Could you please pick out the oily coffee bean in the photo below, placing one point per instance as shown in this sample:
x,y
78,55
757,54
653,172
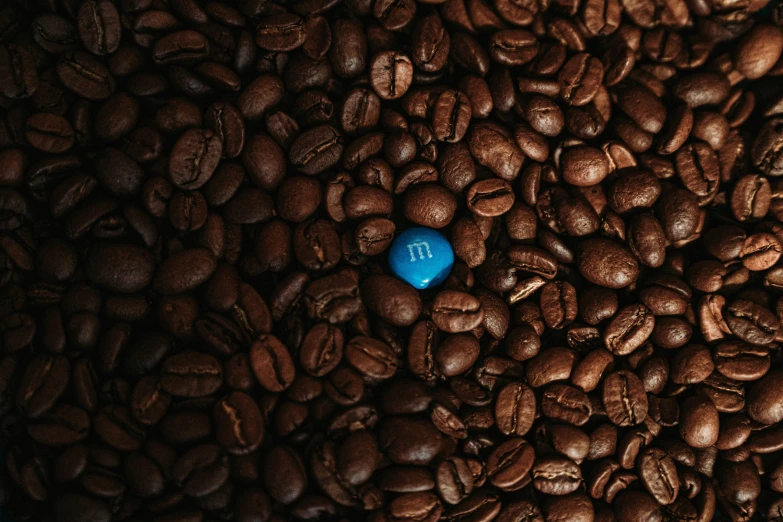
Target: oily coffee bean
x,y
624,398
272,363
239,426
490,197
509,463
659,475
515,409
391,74
194,158
556,475
191,374
42,384
454,311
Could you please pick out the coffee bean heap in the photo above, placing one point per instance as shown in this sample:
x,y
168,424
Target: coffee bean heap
x,y
197,321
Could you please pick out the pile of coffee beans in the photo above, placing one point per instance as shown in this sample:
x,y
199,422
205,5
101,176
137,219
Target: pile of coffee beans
x,y
197,317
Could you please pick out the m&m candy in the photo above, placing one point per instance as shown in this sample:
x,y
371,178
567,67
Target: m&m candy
x,y
421,256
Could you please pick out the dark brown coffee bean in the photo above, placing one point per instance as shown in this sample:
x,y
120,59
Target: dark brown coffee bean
x,y
556,475
454,311
558,304
49,133
281,32
624,398
567,404
191,374
490,197
493,146
371,357
584,166
758,51
272,363
322,349
454,480
659,475
515,409
117,428
580,79
617,269
201,471
764,401
239,426
44,381
699,422
391,299
120,267
85,76
62,426
751,323
629,329
451,116
99,26
391,74
184,271
509,463
316,150
430,43
194,158
430,205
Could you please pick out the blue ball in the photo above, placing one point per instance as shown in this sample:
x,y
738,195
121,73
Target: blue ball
x,y
421,256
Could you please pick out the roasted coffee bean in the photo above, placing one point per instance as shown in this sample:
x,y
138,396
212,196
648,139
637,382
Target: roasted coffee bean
x,y
191,374
617,269
454,311
85,75
316,149
391,74
764,401
515,409
281,32
750,322
490,197
42,384
580,78
272,363
699,422
494,147
509,464
629,329
239,426
624,398
371,357
659,475
556,475
565,403
99,26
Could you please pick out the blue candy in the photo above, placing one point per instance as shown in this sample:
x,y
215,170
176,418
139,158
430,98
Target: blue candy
x,y
421,256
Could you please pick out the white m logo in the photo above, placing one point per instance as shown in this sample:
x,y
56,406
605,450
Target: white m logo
x,y
418,246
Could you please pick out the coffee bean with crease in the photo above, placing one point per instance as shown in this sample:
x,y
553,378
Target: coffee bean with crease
x,y
556,475
751,322
239,426
272,363
454,311
624,398
659,475
629,329
191,374
515,409
44,381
